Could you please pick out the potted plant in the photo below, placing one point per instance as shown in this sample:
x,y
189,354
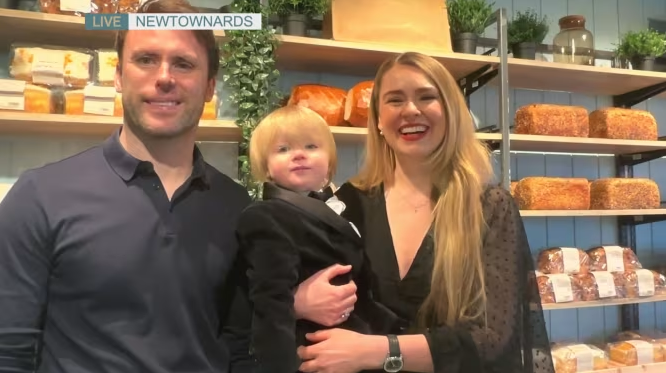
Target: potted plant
x,y
296,14
524,32
641,48
467,20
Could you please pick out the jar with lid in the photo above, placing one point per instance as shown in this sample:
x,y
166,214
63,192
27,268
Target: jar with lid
x,y
574,44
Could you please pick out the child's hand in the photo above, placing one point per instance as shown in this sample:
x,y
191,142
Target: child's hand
x,y
318,301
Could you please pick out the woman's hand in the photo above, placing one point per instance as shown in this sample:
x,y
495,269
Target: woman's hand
x,y
342,351
318,301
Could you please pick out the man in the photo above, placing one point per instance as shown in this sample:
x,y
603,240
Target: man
x,y
113,260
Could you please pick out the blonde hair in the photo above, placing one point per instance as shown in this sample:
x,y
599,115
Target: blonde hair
x,y
462,168
299,125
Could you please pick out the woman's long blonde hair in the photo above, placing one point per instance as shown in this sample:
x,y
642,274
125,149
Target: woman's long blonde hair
x,y
463,170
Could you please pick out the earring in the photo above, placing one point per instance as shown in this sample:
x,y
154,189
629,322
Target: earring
x,y
381,133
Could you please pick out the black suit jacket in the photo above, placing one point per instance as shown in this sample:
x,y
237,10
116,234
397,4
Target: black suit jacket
x,y
285,239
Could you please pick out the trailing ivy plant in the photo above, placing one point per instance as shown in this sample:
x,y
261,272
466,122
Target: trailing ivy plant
x,y
250,73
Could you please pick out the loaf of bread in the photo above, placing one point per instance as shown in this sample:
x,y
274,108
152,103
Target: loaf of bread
x,y
567,260
35,99
623,124
624,194
82,8
553,193
558,288
106,62
128,6
210,109
613,259
652,336
51,67
322,99
552,120
643,283
578,358
512,188
636,352
600,285
357,104
75,104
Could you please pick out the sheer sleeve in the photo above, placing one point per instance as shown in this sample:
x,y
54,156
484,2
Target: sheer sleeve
x,y
515,339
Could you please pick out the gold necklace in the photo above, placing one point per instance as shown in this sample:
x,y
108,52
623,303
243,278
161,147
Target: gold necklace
x,y
416,207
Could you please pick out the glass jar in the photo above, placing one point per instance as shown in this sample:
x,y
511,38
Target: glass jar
x,y
573,44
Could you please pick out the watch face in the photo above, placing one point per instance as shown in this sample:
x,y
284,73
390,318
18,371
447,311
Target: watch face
x,y
393,364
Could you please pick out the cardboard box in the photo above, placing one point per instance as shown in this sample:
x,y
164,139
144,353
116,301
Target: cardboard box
x,y
414,24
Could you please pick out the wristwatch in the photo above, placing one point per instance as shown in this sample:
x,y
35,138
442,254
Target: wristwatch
x,y
393,362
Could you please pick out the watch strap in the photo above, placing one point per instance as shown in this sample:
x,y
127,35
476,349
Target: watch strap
x,y
394,346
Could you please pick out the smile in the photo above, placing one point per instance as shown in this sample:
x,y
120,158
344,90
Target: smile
x,y
413,129
163,103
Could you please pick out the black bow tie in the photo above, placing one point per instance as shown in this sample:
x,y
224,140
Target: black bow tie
x,y
324,195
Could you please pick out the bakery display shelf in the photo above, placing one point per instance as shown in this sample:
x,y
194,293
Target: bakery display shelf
x,y
358,135
561,144
590,80
582,213
97,126
294,52
53,29
20,123
362,59
643,368
602,303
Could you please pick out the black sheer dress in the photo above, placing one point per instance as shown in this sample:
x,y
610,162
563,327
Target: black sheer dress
x,y
515,340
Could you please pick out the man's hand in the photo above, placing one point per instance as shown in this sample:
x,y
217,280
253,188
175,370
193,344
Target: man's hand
x,y
319,301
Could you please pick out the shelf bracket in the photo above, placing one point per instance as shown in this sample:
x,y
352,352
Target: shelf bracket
x,y
481,77
638,158
629,99
633,221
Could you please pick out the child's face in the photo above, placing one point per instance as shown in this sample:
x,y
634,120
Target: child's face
x,y
298,167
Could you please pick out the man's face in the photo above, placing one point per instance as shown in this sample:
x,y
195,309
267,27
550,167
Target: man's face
x,y
164,82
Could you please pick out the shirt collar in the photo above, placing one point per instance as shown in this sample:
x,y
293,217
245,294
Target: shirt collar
x,y
128,167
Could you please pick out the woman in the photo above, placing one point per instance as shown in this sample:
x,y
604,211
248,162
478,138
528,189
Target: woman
x,y
447,248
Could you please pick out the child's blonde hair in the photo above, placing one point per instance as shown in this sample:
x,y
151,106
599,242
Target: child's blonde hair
x,y
299,125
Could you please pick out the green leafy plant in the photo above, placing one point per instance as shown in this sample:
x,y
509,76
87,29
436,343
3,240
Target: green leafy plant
x,y
469,16
249,66
646,43
305,7
527,27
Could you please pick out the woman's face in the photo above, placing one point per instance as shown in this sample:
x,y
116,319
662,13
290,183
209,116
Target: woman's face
x,y
411,116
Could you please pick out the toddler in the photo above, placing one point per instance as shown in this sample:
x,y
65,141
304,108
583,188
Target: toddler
x,y
295,231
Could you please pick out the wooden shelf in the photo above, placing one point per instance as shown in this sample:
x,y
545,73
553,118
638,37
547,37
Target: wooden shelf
x,y
644,368
559,144
602,303
96,126
590,80
294,52
582,213
53,29
361,59
50,29
358,135
99,126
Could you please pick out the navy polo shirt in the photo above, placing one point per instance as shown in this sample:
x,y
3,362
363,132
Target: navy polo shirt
x,y
101,272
